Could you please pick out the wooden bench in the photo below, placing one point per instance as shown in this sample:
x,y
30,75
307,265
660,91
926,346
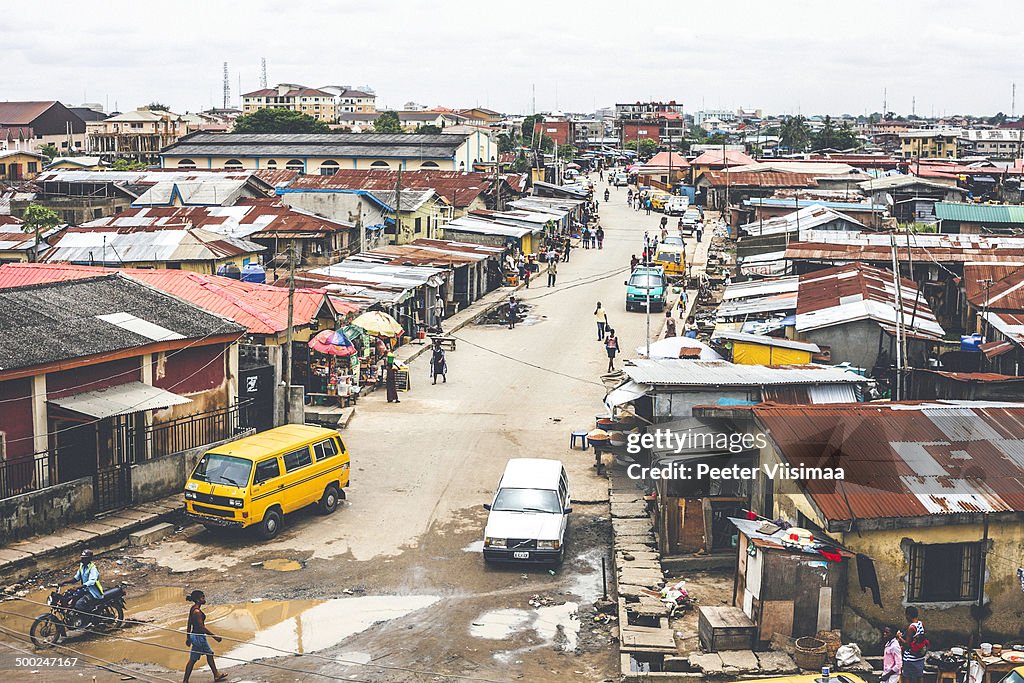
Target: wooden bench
x,y
447,343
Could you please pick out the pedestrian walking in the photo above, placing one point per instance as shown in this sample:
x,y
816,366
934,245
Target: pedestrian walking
x,y
552,272
602,321
438,311
634,261
700,231
438,363
566,248
670,324
391,379
647,206
664,233
513,311
526,276
611,346
195,637
599,236
586,238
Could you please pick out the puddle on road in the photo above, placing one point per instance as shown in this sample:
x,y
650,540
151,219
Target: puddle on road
x,y
557,625
295,626
282,565
587,586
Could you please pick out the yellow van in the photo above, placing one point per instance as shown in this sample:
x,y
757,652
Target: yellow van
x,y
259,479
671,257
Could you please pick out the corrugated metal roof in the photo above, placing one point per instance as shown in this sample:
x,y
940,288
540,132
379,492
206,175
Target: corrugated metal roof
x,y
262,309
980,213
458,188
772,202
835,245
764,340
126,245
843,294
995,285
716,158
23,113
299,145
905,460
682,372
765,179
758,288
123,399
803,220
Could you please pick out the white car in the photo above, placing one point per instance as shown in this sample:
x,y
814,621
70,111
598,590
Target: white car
x,y
529,513
677,205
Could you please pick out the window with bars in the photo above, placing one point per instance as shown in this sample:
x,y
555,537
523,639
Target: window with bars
x,y
944,572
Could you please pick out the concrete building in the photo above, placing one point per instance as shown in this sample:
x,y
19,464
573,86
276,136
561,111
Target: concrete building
x,y
137,135
410,121
319,104
351,100
994,143
30,125
930,143
324,154
20,165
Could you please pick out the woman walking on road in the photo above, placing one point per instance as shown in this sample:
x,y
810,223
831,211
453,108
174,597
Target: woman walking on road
x,y
195,637
602,321
391,379
438,363
611,345
599,236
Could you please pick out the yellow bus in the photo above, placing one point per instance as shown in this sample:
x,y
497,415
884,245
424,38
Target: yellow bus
x,y
257,480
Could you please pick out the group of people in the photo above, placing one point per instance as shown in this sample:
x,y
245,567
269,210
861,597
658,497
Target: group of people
x,y
592,239
904,651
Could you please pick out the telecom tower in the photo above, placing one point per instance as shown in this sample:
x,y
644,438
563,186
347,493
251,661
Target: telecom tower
x,y
227,88
263,72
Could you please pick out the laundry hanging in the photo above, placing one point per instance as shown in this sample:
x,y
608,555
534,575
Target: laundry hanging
x,y
869,579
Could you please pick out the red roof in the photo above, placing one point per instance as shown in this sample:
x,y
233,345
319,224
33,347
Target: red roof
x,y
22,113
760,179
458,188
1004,289
880,253
904,459
9,220
263,309
713,157
661,159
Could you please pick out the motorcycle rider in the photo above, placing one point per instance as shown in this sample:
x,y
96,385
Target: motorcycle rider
x,y
91,591
607,194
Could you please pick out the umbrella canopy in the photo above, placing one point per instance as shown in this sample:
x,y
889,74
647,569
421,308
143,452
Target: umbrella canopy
x,y
670,347
572,165
379,323
333,343
633,167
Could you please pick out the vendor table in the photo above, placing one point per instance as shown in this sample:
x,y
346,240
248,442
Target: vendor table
x,y
992,668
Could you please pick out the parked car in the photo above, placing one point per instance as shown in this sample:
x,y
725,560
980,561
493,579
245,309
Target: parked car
x,y
671,257
690,218
620,180
677,205
529,513
646,283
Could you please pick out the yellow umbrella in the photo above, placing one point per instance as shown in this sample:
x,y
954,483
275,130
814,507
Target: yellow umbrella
x,y
379,323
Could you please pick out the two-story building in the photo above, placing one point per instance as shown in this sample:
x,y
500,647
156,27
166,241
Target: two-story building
x,y
30,125
138,135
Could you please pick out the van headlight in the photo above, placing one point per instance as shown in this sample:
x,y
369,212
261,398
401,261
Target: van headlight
x,y
495,542
190,495
235,502
548,545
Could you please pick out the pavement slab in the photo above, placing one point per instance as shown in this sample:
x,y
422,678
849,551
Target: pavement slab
x,y
774,662
741,660
709,663
8,556
623,527
641,577
633,509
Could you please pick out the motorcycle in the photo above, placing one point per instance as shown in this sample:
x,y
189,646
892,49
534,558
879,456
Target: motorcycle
x,y
607,194
105,614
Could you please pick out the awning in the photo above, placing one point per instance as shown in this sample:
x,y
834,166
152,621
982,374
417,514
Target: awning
x,y
626,392
133,397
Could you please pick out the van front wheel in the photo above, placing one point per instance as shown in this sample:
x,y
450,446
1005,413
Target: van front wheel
x,y
270,525
329,502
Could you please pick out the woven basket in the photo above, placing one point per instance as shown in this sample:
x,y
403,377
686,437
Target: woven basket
x,y
832,639
809,653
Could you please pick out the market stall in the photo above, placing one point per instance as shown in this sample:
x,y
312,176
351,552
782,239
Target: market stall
x,y
331,369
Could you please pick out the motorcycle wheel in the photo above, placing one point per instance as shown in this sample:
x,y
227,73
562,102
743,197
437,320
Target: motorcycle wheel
x,y
109,616
46,631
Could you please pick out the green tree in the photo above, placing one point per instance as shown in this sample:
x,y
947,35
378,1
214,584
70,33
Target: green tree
x,y
506,143
795,133
35,220
429,129
647,147
630,144
279,121
157,106
387,122
529,123
567,151
547,145
49,150
127,165
832,137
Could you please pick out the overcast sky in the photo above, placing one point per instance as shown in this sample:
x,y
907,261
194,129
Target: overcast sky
x,y
783,56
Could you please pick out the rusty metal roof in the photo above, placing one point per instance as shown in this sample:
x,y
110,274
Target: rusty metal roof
x,y
676,372
839,245
262,309
22,113
1003,290
856,291
715,157
462,189
905,459
759,179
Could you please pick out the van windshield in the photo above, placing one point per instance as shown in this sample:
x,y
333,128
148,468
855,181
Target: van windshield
x,y
526,500
641,281
223,469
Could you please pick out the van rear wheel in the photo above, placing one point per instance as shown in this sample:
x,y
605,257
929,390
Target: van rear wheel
x,y
329,501
270,525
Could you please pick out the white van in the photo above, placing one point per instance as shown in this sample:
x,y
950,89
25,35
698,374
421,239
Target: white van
x,y
677,205
620,179
528,515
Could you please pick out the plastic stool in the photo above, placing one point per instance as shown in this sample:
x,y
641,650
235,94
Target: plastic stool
x,y
582,436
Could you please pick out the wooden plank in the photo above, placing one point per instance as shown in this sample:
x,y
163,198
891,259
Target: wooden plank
x,y
776,617
825,608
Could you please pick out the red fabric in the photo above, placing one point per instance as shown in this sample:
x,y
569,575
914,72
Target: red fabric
x,y
751,515
830,556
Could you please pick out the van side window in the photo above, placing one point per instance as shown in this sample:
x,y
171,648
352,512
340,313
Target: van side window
x,y
325,449
267,470
296,459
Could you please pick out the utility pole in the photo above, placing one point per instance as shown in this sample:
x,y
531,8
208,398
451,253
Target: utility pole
x,y
290,333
